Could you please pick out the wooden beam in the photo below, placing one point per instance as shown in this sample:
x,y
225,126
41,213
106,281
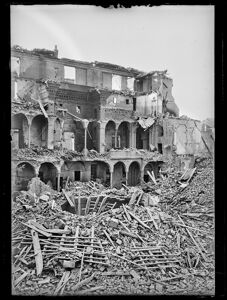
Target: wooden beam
x,y
38,252
68,198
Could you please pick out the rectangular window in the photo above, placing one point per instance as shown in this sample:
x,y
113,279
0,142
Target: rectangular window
x,y
134,104
116,82
160,148
107,80
76,175
127,101
81,76
130,83
70,74
15,65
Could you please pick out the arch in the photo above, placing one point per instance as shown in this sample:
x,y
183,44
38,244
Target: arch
x,y
20,132
24,173
152,166
142,138
57,133
100,171
74,170
119,174
123,135
92,135
48,174
160,130
148,167
134,173
39,131
110,135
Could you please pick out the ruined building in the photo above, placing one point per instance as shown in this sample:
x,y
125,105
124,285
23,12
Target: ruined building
x,y
93,121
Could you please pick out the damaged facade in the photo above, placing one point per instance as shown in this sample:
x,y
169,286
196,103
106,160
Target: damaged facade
x,y
118,124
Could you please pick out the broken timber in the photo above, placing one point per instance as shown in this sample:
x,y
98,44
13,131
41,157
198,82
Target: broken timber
x,y
68,198
38,252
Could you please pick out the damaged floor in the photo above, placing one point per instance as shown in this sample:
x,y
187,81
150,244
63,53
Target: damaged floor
x,y
156,238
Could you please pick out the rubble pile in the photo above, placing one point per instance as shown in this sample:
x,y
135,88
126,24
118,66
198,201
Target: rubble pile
x,y
150,245
36,152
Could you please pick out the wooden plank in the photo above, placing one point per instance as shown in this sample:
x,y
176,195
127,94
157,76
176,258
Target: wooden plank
x,y
151,177
38,252
19,279
102,203
42,109
138,220
87,205
79,206
133,198
83,282
76,237
96,202
108,237
126,213
37,229
68,198
91,290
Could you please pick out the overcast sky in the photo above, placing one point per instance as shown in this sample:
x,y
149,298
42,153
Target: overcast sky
x,y
177,38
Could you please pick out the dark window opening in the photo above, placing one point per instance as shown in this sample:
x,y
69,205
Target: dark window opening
x,y
127,101
113,141
134,104
146,178
160,148
61,104
95,113
41,175
46,107
76,175
93,172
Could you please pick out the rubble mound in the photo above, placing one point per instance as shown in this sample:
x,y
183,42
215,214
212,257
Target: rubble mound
x,y
163,246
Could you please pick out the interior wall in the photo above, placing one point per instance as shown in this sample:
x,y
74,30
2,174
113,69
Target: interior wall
x,y
142,138
134,174
92,136
119,176
123,133
39,131
23,176
49,173
57,133
109,134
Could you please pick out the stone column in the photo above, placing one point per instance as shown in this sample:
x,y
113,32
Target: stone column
x,y
142,174
58,181
85,123
101,137
50,133
132,141
29,132
126,172
116,129
111,176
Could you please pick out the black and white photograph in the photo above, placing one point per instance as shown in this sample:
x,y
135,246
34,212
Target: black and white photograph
x,y
112,150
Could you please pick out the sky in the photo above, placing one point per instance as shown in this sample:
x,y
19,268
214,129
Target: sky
x,y
177,38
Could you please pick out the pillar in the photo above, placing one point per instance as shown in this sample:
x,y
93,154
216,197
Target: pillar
x,y
142,175
50,133
126,173
116,129
101,137
132,140
58,180
111,176
85,123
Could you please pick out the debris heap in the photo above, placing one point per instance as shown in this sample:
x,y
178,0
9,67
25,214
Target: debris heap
x,y
159,241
